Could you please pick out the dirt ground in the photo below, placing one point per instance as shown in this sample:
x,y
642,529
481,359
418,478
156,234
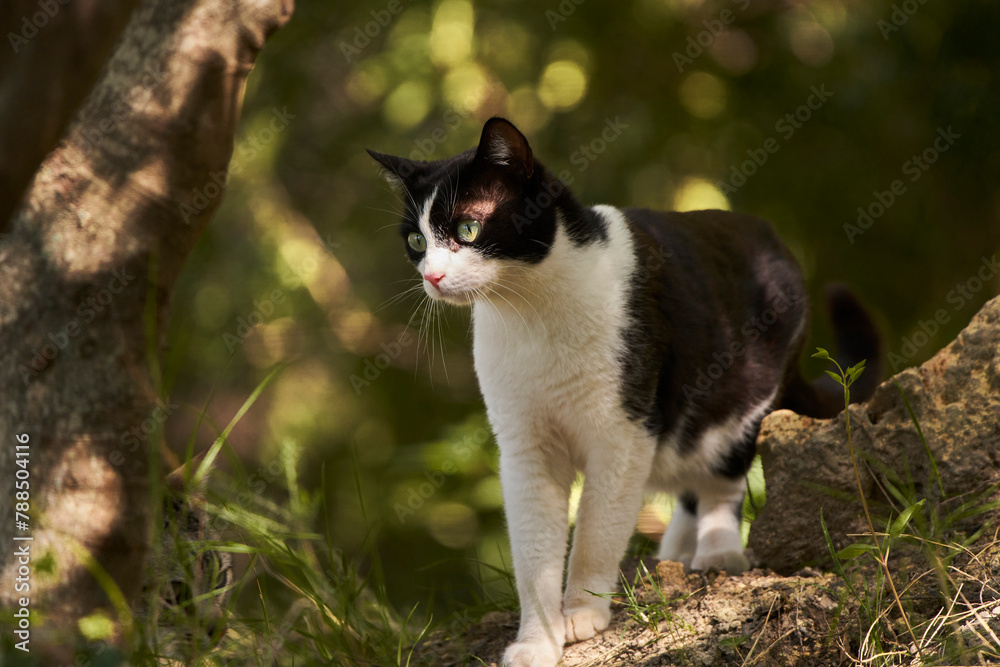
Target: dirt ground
x,y
754,618
761,618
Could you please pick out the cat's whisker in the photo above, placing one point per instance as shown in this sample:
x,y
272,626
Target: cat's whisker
x,y
454,193
405,190
513,307
409,195
420,308
398,297
529,271
484,298
414,312
444,360
506,332
432,307
515,287
425,324
520,297
397,213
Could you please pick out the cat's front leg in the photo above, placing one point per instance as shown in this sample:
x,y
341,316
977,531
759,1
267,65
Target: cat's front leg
x,y
616,473
536,500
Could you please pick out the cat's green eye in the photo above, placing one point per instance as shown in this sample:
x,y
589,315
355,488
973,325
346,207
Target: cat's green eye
x,y
468,230
417,241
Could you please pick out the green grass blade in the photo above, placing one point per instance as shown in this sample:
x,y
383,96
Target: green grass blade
x,y
923,440
213,451
901,521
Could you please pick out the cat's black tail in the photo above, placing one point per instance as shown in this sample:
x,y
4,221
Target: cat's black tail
x,y
857,338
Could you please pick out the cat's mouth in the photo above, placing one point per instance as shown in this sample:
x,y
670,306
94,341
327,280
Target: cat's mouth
x,y
452,294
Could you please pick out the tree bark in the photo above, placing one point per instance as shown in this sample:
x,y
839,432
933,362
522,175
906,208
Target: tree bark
x,y
63,44
87,270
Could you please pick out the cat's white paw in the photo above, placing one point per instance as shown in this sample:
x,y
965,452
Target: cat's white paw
x,y
531,654
585,622
732,562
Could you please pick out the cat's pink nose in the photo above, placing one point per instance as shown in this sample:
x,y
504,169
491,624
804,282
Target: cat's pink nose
x,y
433,278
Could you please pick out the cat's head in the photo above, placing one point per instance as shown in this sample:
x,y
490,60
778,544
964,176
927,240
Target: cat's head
x,y
468,219
188,583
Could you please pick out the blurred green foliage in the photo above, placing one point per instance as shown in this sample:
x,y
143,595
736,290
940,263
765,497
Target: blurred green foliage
x,y
303,263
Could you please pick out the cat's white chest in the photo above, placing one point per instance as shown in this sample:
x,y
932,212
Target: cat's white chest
x,y
555,362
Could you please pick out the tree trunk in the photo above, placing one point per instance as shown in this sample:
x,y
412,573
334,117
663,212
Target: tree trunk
x,y
87,270
64,44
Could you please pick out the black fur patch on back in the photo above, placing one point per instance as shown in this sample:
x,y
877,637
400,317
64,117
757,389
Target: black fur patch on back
x,y
716,304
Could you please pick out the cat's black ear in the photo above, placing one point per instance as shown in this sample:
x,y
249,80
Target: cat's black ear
x,y
179,479
503,144
397,170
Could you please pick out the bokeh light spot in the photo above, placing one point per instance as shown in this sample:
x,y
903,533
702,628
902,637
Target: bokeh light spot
x,y
273,342
465,88
506,44
488,495
735,51
407,105
354,329
454,525
697,194
563,85
526,111
451,33
811,43
367,82
703,95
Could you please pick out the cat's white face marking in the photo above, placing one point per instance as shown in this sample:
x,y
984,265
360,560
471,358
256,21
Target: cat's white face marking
x,y
452,272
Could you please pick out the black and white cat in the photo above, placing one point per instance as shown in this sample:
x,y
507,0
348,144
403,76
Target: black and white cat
x,y
639,347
